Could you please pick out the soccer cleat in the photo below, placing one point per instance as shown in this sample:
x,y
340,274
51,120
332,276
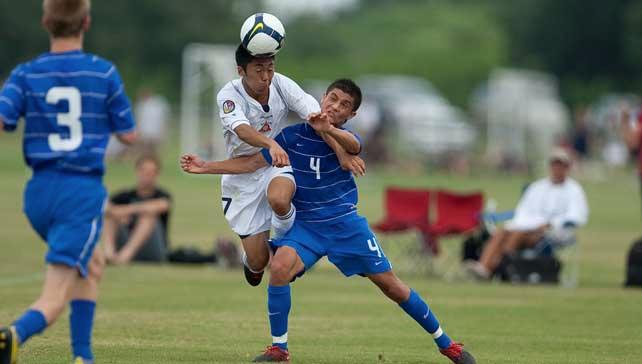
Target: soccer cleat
x,y
273,354
8,345
254,279
456,353
80,360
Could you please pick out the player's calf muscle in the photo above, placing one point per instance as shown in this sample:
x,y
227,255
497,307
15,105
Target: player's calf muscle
x,y
391,286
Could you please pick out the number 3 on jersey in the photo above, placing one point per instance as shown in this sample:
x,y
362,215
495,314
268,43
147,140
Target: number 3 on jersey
x,y
70,119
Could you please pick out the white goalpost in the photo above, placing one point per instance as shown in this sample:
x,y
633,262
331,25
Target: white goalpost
x,y
206,68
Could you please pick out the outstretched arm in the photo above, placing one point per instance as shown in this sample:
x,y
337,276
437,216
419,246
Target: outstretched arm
x,y
128,138
321,123
252,137
191,163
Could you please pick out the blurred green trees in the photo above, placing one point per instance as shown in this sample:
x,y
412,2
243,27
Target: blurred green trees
x,y
593,46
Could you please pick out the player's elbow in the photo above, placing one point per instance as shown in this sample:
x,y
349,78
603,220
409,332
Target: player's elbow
x,y
354,149
128,138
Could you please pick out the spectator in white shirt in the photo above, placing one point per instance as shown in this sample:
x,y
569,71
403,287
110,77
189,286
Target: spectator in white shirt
x,y
152,116
552,207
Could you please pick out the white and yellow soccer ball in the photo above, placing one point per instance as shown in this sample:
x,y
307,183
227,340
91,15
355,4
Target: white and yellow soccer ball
x,y
262,34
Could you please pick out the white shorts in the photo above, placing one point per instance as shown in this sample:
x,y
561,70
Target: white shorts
x,y
244,199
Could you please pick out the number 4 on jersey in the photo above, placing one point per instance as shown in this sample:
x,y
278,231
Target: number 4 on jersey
x,y
315,165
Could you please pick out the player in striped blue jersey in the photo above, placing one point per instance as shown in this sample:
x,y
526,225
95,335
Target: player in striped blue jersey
x,y
71,101
327,222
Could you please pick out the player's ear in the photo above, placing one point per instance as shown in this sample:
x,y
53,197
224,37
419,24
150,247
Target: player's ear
x,y
352,114
43,22
240,71
86,23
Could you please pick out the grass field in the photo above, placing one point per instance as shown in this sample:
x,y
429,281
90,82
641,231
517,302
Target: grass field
x,y
168,314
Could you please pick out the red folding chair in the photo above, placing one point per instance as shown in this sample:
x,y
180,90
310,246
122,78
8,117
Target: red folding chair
x,y
407,209
455,214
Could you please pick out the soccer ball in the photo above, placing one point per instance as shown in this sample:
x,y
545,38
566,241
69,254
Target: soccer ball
x,y
262,34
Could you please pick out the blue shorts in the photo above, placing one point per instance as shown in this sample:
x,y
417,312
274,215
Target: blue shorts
x,y
348,242
66,210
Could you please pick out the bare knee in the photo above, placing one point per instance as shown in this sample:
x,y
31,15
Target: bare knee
x,y
280,272
257,262
279,195
279,202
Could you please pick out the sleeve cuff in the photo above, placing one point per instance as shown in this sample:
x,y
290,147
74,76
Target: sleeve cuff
x,y
266,155
238,123
8,124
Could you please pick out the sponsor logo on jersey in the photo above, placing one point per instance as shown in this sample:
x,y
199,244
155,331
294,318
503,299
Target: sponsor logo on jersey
x,y
266,127
228,106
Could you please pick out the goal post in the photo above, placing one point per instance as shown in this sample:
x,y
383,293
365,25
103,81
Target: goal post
x,y
206,69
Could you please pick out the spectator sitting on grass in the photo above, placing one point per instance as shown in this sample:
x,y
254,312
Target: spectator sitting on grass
x,y
136,220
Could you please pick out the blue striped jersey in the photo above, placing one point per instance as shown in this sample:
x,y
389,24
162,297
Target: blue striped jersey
x,y
324,191
71,102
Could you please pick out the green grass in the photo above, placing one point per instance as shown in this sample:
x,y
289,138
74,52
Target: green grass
x,y
168,314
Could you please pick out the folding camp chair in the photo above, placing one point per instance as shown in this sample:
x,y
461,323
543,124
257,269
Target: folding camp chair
x,y
569,254
456,213
407,210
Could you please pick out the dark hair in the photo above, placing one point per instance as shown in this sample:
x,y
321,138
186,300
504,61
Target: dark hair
x,y
243,57
148,158
65,18
348,86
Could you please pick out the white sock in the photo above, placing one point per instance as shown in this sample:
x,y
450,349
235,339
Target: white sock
x,y
282,224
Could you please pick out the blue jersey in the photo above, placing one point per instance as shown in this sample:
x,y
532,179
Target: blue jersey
x,y
324,191
71,103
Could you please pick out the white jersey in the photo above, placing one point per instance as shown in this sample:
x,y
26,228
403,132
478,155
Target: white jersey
x,y
544,202
236,108
244,198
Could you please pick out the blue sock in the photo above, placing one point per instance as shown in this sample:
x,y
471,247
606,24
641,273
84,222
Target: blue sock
x,y
81,322
279,302
31,323
419,310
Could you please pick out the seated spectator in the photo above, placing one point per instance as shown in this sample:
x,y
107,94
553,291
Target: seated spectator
x,y
136,220
551,208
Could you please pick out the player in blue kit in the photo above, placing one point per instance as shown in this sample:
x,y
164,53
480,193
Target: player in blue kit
x,y
327,222
71,102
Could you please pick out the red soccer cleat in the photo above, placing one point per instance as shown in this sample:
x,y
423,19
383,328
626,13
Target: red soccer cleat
x,y
456,353
273,354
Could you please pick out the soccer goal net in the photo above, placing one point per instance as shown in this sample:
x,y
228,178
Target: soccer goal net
x,y
206,69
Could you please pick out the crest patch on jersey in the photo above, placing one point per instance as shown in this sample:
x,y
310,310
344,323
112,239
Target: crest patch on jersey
x,y
228,106
266,127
